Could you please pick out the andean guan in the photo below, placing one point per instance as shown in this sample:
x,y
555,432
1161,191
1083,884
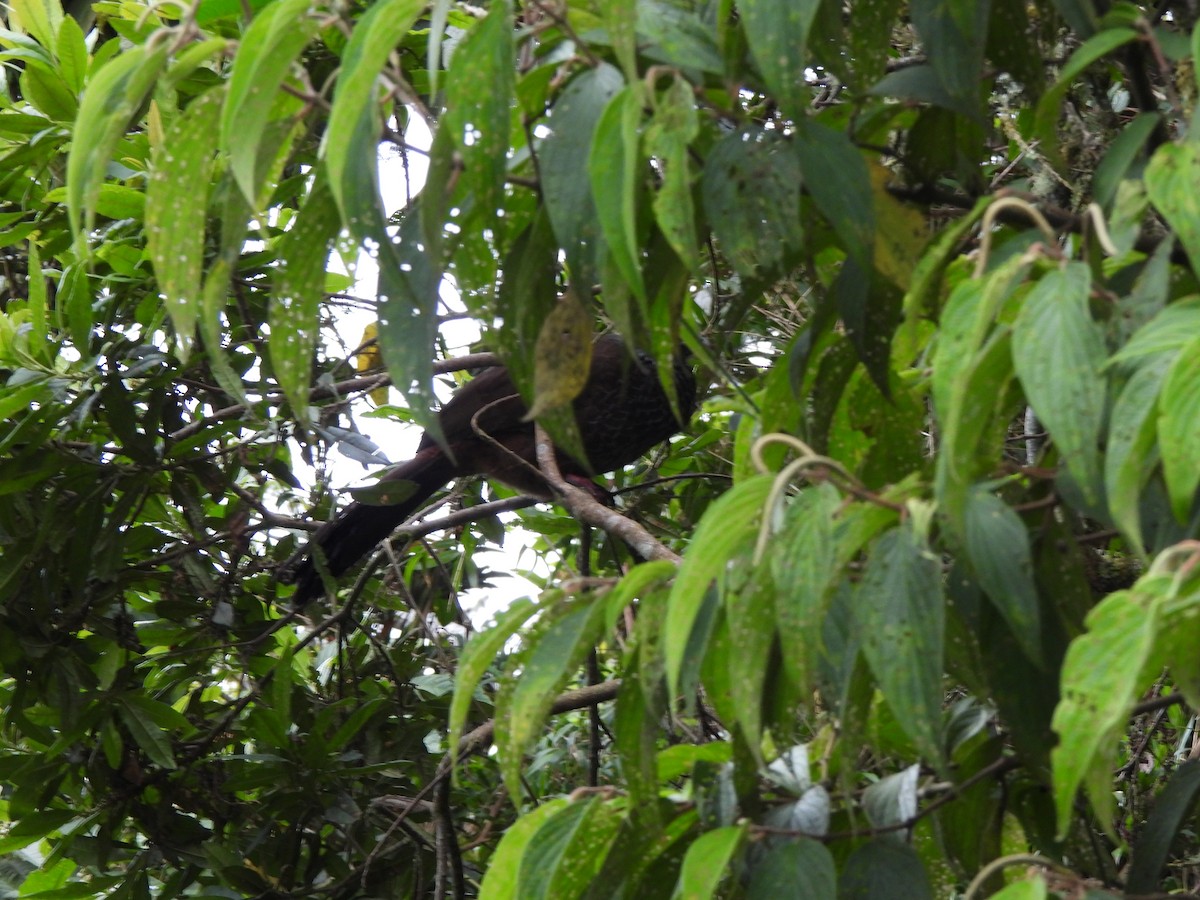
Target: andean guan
x,y
621,412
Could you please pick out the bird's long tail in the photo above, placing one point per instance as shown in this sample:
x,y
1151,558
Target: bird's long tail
x,y
354,533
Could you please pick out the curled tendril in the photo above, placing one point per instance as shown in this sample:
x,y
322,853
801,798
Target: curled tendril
x,y
807,459
989,221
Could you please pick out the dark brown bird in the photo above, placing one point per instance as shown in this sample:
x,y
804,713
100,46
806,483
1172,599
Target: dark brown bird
x,y
621,412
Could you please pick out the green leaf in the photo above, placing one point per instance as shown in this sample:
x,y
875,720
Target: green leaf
x,y
503,870
777,32
295,304
567,852
728,524
1179,429
707,862
110,101
1120,156
477,657
264,58
1058,352
998,547
670,131
177,210
71,50
614,167
556,652
836,175
1171,328
1103,674
750,614
901,619
563,157
803,564
1050,105
751,190
884,868
1131,451
1170,814
955,33
146,733
800,870
1171,179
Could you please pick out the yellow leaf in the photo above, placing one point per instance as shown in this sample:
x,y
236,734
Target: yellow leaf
x,y
369,357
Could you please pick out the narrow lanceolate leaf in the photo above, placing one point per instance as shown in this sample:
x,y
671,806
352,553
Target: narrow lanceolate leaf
x,y
1103,673
1179,429
176,210
614,167
777,32
1058,352
146,733
351,142
479,88
670,132
109,102
1131,453
727,527
998,547
901,618
1173,183
556,653
1167,331
297,296
566,854
563,158
1171,813
836,175
264,58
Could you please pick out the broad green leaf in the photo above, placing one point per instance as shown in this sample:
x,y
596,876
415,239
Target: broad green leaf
x,y
635,584
728,524
751,191
566,853
265,56
620,21
803,564
1179,429
997,544
1033,888
501,879
563,159
479,89
1173,183
884,868
614,166
1103,674
556,653
177,210
1173,327
1131,451
955,31
801,869
299,289
892,800
901,620
1058,352
110,101
750,614
777,32
1050,105
837,176
1120,156
477,656
707,863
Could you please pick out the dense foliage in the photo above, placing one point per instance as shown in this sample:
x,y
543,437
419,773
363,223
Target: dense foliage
x,y
920,613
